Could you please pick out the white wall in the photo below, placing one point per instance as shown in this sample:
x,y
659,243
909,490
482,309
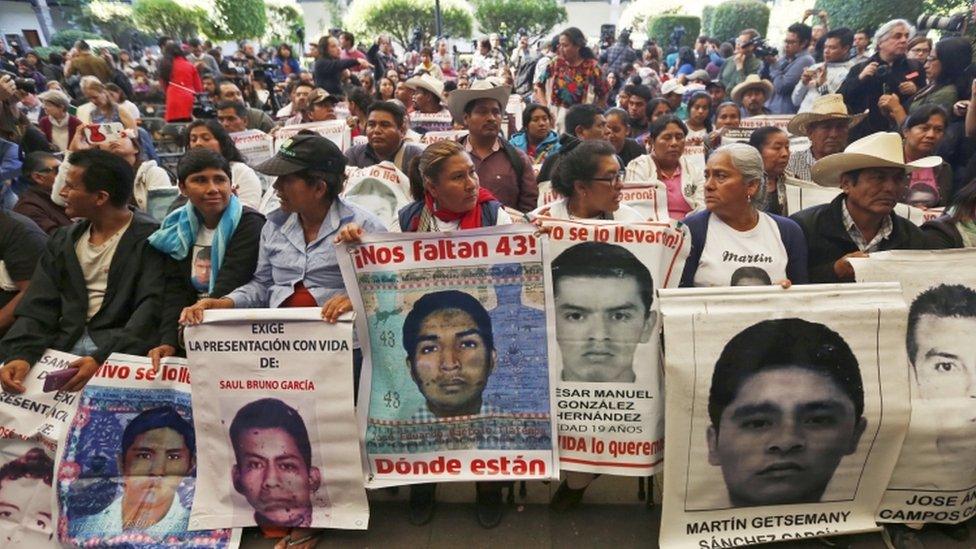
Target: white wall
x,y
317,20
15,17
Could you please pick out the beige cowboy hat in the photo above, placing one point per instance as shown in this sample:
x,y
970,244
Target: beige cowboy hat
x,y
752,81
481,89
826,107
878,150
426,82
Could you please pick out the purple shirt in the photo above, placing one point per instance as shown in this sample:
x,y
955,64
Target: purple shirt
x,y
495,172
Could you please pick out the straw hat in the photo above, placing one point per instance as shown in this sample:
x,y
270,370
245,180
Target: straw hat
x,y
672,86
481,89
426,82
878,150
753,81
826,107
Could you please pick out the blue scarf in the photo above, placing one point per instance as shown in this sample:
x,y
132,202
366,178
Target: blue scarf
x,y
178,234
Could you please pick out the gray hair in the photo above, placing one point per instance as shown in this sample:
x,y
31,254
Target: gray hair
x,y
748,160
55,97
884,30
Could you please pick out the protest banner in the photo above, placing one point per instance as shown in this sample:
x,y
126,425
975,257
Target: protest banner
x,y
337,131
513,111
380,189
255,146
801,195
433,137
431,122
273,390
126,474
26,494
776,396
35,412
650,199
695,152
455,381
935,479
600,283
746,126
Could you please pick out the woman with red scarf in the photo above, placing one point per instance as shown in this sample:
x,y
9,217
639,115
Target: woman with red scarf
x,y
447,197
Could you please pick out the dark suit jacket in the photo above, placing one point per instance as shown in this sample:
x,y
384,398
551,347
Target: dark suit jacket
x,y
52,313
37,204
828,240
237,269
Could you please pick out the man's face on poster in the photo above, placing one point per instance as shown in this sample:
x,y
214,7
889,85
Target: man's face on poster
x,y
274,478
201,271
783,436
945,367
153,467
23,501
599,330
451,363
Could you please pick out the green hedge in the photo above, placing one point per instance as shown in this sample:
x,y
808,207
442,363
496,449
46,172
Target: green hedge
x,y
45,51
736,15
660,27
67,38
870,15
708,14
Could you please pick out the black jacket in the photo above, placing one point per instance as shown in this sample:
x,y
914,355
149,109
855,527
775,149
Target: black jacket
x,y
53,310
942,233
828,240
861,95
237,269
550,167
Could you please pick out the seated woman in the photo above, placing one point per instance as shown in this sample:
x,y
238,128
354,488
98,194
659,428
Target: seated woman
x,y
618,128
101,108
732,242
211,241
774,146
590,180
924,130
209,134
128,146
448,197
666,163
537,138
957,228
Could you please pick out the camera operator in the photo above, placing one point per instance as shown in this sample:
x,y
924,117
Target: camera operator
x,y
743,62
787,71
886,72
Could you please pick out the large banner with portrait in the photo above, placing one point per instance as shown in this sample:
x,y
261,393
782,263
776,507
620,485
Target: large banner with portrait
x,y
777,428
337,131
649,199
431,122
935,479
127,467
455,381
26,493
600,284
37,412
801,195
255,146
273,394
380,189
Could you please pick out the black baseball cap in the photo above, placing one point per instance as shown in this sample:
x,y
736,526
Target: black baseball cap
x,y
305,150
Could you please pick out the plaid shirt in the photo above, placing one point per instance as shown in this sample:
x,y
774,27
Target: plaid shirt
x,y
799,165
858,238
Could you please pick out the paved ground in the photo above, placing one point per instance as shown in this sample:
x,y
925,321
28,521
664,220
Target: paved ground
x,y
611,517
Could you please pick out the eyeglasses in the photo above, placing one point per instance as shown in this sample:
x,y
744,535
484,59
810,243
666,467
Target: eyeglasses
x,y
617,179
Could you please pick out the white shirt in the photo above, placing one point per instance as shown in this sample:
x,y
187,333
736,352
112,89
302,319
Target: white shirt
x,y
559,210
95,262
84,112
131,108
248,184
804,96
726,250
148,176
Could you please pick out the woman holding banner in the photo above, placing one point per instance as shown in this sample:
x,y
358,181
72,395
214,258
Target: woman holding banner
x,y
666,163
212,242
448,197
733,243
590,180
297,264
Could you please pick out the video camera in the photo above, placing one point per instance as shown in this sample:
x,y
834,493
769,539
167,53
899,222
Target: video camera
x,y
203,107
26,85
763,49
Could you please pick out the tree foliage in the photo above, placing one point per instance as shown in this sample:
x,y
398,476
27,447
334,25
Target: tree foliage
x,y
236,20
708,14
870,15
282,19
733,16
66,38
399,18
661,27
167,17
506,17
638,13
113,19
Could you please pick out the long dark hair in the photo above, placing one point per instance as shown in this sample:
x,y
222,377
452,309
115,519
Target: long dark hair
x,y
578,39
172,50
702,96
227,147
964,203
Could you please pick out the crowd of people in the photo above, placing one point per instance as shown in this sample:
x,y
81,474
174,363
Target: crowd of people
x,y
85,268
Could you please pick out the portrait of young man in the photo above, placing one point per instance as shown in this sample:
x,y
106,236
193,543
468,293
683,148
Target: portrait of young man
x,y
273,463
603,296
450,353
158,452
201,269
22,500
786,405
943,358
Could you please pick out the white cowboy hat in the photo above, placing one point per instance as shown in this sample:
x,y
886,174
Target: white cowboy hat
x,y
826,107
481,89
672,86
752,81
878,150
426,82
